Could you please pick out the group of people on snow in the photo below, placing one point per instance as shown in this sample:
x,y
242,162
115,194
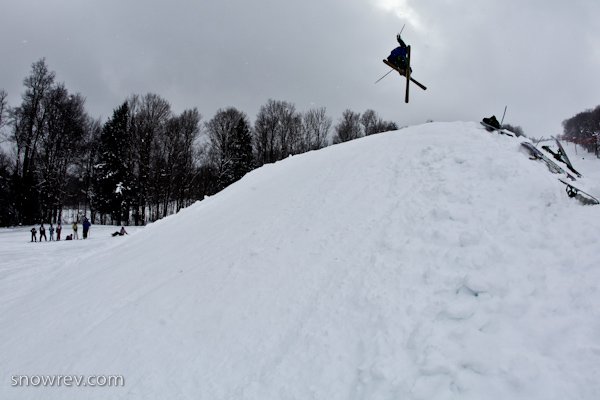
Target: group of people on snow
x,y
86,224
42,232
51,230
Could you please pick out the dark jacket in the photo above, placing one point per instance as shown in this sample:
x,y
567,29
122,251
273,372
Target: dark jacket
x,y
399,52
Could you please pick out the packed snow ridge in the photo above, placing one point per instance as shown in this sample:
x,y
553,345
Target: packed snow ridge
x,y
433,262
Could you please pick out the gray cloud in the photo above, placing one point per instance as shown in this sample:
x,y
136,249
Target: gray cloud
x,y
538,57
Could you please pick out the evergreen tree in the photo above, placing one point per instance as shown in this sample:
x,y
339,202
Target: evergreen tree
x,y
7,215
113,176
241,149
230,151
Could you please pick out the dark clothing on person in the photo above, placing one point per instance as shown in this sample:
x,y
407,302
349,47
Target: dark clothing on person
x,y
86,227
33,234
398,56
43,233
492,121
58,229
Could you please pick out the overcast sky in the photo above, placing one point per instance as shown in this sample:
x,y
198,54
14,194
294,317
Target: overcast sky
x,y
539,57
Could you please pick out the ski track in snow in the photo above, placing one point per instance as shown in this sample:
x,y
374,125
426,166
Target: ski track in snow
x,y
434,262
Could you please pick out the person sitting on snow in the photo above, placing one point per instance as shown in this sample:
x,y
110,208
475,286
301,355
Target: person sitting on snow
x,y
398,56
122,232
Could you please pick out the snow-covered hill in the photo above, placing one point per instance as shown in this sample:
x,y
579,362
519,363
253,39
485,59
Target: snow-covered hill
x,y
434,262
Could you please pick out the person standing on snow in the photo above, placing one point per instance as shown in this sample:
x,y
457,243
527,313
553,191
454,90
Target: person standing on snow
x,y
43,233
51,231
33,234
75,235
58,229
86,227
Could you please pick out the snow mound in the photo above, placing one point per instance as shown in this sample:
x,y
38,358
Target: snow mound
x,y
433,262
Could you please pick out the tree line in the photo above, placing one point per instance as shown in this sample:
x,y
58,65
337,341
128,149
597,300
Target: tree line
x,y
584,129
145,161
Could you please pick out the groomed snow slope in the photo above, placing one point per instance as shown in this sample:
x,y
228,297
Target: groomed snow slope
x,y
434,262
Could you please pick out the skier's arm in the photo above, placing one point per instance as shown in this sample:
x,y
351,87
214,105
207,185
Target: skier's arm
x,y
400,40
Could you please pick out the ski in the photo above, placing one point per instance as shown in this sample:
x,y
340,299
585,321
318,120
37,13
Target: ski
x,y
552,166
558,156
407,73
491,128
572,190
401,72
565,158
583,197
488,127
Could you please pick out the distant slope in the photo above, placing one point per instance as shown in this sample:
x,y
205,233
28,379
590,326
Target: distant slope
x,y
433,262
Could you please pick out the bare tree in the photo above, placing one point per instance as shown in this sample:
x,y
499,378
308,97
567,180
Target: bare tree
x,y
174,160
348,128
277,131
89,156
315,129
372,123
188,124
150,114
584,129
6,209
29,120
59,146
3,111
369,120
